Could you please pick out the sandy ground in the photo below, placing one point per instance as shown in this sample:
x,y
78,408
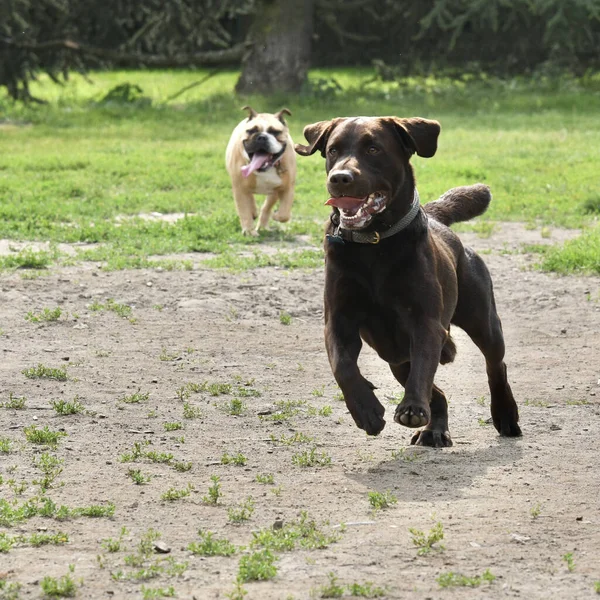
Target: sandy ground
x,y
515,507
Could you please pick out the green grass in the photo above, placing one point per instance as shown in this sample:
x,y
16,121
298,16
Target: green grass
x,y
381,500
579,255
42,436
63,587
66,407
211,546
86,172
47,314
452,579
426,542
43,372
258,566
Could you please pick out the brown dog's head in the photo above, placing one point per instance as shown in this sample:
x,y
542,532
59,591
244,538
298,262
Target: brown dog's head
x,y
367,163
264,139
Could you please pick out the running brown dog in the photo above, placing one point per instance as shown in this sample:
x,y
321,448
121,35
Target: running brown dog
x,y
397,276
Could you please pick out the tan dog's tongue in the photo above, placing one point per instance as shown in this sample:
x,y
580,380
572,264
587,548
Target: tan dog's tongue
x,y
345,202
258,160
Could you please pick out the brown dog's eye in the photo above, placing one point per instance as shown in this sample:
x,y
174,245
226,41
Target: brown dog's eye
x,y
332,151
373,150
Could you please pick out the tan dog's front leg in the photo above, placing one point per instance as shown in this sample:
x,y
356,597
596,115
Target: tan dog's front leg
x,y
245,206
265,212
286,198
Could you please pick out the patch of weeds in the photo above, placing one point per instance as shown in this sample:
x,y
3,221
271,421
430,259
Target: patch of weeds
x,y
576,402
537,403
113,545
95,511
135,398
237,593
382,500
138,477
7,542
64,407
159,457
597,587
43,436
286,409
150,593
103,353
14,402
318,392
394,399
247,391
257,566
277,490
242,512
481,401
285,318
5,444
235,407
568,558
483,422
237,459
43,539
265,478
166,357
296,438
51,468
211,546
9,590
173,494
304,533
216,389
405,455
426,542
175,426
451,579
63,587
182,466
365,590
310,458
214,491
46,315
535,511
137,452
122,310
28,259
43,372
191,412
332,589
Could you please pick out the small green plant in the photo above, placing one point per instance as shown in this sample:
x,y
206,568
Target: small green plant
x,y
135,398
138,477
319,392
285,318
404,454
9,590
150,593
481,401
166,357
63,587
451,579
122,310
597,587
43,539
265,478
394,399
173,494
14,402
365,590
175,426
46,315
257,566
43,372
214,491
234,407
51,468
324,411
216,389
568,558
535,511
237,593
182,466
381,500
42,436
64,407
242,512
483,422
191,412
211,546
333,589
237,459
5,444
426,542
297,438
114,545
310,458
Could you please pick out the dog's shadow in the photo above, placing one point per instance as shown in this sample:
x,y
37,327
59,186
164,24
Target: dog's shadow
x,y
425,475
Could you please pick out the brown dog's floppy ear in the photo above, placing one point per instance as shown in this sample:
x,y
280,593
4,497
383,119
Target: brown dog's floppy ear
x,y
317,135
279,115
251,112
418,135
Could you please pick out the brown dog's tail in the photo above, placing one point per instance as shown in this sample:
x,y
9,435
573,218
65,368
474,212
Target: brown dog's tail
x,y
460,204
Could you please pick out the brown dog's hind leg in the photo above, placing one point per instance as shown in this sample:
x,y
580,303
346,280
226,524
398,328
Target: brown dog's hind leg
x,y
476,314
435,434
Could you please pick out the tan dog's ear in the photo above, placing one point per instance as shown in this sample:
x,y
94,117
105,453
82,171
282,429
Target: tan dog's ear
x,y
251,112
317,135
418,135
279,115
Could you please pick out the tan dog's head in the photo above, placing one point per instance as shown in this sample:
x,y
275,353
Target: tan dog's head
x,y
367,163
265,139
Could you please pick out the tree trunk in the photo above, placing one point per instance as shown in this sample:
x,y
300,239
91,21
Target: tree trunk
x,y
279,52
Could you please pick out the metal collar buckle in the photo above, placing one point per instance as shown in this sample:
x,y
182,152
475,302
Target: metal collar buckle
x,y
377,238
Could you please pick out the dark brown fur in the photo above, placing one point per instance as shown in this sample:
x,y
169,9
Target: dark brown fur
x,y
401,295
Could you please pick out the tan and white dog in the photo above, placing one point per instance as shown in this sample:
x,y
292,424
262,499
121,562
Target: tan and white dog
x,y
260,159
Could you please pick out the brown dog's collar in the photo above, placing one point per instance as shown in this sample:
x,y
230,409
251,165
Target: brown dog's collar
x,y
374,237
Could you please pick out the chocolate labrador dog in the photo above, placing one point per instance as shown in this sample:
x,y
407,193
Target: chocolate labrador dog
x,y
397,276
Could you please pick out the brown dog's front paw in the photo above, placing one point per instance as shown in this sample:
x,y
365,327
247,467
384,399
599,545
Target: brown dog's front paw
x,y
370,420
432,438
411,415
508,428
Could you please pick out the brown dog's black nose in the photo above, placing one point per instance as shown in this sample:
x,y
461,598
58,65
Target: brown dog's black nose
x,y
341,177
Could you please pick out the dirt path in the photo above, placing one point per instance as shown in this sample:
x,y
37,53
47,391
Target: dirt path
x,y
515,507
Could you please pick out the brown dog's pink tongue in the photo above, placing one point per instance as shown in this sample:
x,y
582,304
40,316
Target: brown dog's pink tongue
x,y
345,202
258,160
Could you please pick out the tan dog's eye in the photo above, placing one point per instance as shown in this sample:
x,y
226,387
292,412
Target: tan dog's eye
x,y
252,131
274,131
373,150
